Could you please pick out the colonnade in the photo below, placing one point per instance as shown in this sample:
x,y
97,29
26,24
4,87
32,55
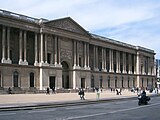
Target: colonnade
x,y
42,60
123,65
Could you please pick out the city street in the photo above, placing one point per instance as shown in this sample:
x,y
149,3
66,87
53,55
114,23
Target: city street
x,y
120,110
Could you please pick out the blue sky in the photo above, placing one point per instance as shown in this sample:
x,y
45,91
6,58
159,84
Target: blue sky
x,y
135,22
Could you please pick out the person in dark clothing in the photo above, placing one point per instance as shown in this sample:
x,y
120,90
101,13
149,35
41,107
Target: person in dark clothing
x,y
53,90
47,91
9,90
143,94
81,93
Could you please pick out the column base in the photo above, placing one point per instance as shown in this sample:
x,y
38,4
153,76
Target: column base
x,y
96,69
9,61
21,62
124,72
58,65
87,68
111,71
36,63
6,61
104,70
3,60
76,67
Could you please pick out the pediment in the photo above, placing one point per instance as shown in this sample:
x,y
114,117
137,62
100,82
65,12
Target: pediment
x,y
67,24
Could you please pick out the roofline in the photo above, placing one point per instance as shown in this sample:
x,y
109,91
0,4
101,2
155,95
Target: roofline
x,y
41,21
121,43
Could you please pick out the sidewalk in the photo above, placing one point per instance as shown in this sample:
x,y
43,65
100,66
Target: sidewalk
x,y
23,100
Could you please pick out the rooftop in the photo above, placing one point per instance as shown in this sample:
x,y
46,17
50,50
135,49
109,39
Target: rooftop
x,y
41,20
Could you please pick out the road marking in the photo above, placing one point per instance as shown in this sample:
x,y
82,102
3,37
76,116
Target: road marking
x,y
121,110
39,111
6,114
85,116
75,107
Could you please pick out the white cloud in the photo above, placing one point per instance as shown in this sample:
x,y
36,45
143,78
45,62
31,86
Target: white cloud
x,y
131,21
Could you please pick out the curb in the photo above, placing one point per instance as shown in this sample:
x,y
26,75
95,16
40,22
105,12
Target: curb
x,y
63,104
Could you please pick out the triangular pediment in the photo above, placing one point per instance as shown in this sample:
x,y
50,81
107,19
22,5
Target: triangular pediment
x,y
67,24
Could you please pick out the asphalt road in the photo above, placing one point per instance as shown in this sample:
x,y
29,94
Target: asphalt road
x,y
119,110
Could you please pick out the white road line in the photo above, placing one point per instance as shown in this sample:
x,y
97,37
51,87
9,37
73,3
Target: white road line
x,y
85,116
121,110
39,111
6,114
75,107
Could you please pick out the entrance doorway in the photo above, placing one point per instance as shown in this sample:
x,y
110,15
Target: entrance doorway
x,y
15,79
52,82
82,82
65,75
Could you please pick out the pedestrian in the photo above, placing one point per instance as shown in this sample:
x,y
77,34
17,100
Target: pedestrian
x,y
53,90
81,94
98,94
117,93
9,90
47,92
120,91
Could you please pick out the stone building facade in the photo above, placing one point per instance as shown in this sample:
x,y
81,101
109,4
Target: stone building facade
x,y
40,53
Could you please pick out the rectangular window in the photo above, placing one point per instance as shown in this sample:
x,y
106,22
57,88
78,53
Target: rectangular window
x,y
101,83
48,58
80,62
109,83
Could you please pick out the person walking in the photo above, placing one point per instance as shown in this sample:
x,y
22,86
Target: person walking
x,y
47,92
9,90
98,93
53,90
81,94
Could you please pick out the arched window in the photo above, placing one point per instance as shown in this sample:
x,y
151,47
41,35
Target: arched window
x,y
15,79
31,79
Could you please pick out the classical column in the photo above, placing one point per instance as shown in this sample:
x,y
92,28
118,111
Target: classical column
x,y
74,52
55,51
77,53
25,49
124,62
118,61
137,66
85,56
134,64
105,59
3,44
46,48
143,69
149,72
36,50
94,57
130,64
102,59
41,37
111,60
88,55
97,57
20,47
59,51
8,45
